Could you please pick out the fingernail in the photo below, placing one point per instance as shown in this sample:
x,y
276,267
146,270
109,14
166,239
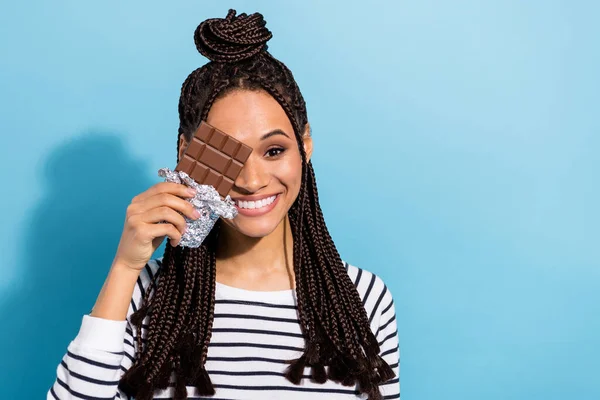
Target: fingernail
x,y
196,214
192,191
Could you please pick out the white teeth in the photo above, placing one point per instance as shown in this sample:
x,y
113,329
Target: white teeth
x,y
256,204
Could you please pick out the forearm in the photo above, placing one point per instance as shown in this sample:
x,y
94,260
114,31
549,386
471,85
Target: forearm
x,y
114,298
105,346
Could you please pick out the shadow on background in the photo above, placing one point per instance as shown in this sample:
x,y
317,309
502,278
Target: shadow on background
x,y
72,236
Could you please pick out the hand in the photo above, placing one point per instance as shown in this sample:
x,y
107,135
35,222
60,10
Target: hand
x,y
142,234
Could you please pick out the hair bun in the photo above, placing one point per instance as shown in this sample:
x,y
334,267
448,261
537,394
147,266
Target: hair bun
x,y
233,38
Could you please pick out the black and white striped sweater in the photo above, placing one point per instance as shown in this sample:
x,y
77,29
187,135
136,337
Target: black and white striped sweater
x,y
253,333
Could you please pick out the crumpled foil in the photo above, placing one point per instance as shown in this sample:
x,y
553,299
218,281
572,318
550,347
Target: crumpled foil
x,y
207,201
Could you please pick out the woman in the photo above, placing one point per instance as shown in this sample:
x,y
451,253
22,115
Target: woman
x,y
265,307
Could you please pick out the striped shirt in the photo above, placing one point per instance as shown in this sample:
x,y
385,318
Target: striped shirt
x,y
253,333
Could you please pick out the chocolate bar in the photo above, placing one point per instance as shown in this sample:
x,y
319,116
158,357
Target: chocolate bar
x,y
214,158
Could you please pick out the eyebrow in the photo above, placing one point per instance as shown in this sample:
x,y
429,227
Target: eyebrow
x,y
273,133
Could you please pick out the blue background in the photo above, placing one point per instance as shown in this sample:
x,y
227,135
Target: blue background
x,y
470,128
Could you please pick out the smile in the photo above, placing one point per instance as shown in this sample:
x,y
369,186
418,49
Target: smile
x,y
257,208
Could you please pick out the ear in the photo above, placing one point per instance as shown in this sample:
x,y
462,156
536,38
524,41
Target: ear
x,y
182,146
307,141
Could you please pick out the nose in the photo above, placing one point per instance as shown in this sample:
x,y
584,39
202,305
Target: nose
x,y
252,177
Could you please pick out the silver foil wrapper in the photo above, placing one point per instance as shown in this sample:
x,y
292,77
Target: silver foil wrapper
x,y
207,201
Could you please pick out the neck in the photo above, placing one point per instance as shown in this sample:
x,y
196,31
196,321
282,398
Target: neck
x,y
265,262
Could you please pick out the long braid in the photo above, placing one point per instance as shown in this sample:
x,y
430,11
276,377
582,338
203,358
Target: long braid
x,y
347,332
181,305
181,314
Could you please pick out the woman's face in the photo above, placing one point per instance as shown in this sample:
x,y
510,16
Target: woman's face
x,y
270,180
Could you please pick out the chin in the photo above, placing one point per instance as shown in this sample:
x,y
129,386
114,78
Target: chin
x,y
253,228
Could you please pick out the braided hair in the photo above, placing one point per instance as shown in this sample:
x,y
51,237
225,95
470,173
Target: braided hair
x,y
180,305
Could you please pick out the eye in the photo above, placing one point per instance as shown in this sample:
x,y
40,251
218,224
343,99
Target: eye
x,y
275,151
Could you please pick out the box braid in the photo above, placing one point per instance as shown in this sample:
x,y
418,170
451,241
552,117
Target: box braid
x,y
180,305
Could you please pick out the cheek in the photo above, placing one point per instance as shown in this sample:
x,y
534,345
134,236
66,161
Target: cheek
x,y
289,172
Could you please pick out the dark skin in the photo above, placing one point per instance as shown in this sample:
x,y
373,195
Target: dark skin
x,y
256,252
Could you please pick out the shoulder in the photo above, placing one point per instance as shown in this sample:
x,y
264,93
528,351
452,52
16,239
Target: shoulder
x,y
148,276
374,293
379,304
151,271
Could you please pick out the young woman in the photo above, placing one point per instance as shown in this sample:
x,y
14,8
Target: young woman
x,y
265,307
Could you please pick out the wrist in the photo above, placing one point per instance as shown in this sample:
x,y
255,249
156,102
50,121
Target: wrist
x,y
125,269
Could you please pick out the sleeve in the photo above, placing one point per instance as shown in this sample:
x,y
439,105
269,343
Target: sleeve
x,y
100,353
93,364
387,336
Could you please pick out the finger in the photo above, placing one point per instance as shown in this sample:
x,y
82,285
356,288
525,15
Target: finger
x,y
177,189
158,230
164,214
162,200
